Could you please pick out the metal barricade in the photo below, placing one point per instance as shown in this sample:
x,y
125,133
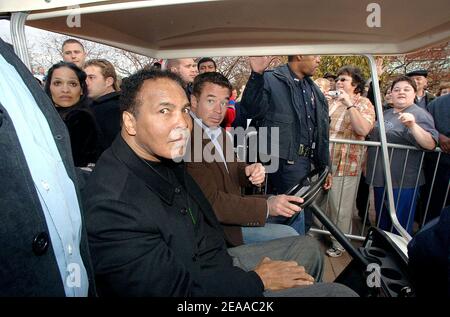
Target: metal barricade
x,y
357,232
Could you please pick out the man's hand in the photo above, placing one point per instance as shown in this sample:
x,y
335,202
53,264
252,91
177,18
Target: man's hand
x,y
328,182
282,205
444,143
278,275
407,119
258,64
256,173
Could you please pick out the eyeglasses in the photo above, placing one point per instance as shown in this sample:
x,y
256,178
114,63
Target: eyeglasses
x,y
341,79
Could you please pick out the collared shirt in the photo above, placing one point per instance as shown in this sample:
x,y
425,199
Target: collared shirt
x,y
421,101
214,135
347,158
54,188
307,109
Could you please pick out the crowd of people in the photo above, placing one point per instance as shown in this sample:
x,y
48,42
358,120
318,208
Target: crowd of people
x,y
143,222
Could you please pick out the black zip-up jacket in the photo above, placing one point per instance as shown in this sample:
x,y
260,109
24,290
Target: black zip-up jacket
x,y
273,101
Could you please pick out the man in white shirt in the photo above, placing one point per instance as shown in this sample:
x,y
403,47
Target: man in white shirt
x,y
44,246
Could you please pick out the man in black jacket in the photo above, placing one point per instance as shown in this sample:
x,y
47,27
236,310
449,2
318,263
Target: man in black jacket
x,y
288,100
429,257
151,230
103,89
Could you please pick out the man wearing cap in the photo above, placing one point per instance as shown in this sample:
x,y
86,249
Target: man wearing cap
x,y
423,97
331,78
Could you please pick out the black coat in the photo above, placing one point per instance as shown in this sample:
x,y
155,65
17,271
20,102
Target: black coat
x,y
429,257
22,272
84,133
108,115
141,237
273,100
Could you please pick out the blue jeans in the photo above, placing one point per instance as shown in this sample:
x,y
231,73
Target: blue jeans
x,y
281,181
270,231
405,207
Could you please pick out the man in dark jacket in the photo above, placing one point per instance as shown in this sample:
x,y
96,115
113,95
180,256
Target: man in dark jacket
x,y
288,100
429,257
186,68
103,89
434,169
151,230
44,243
423,97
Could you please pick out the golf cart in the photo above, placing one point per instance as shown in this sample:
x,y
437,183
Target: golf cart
x,y
195,28
380,266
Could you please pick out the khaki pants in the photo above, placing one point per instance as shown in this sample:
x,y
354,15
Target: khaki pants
x,y
340,210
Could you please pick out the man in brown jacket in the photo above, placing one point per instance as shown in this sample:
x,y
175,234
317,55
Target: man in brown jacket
x,y
214,166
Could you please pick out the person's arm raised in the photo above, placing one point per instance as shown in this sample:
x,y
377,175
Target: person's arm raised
x,y
256,96
259,64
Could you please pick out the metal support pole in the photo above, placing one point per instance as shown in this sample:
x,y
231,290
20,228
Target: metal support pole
x,y
17,29
339,235
384,150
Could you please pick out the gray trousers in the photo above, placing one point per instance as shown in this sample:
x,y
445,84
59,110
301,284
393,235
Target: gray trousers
x,y
302,249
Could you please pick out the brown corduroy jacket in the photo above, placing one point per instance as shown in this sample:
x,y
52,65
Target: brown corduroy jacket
x,y
223,188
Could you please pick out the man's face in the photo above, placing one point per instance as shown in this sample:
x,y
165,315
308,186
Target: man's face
x,y
74,53
332,82
97,84
309,64
211,105
421,82
162,126
206,67
187,69
388,96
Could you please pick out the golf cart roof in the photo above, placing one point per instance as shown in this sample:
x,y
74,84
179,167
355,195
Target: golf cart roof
x,y
191,28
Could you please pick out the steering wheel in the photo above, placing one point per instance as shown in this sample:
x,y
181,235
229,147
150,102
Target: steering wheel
x,y
310,186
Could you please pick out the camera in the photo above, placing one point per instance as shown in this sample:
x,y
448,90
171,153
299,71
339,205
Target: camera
x,y
334,93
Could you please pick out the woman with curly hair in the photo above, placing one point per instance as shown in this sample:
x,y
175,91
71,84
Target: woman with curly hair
x,y
352,117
